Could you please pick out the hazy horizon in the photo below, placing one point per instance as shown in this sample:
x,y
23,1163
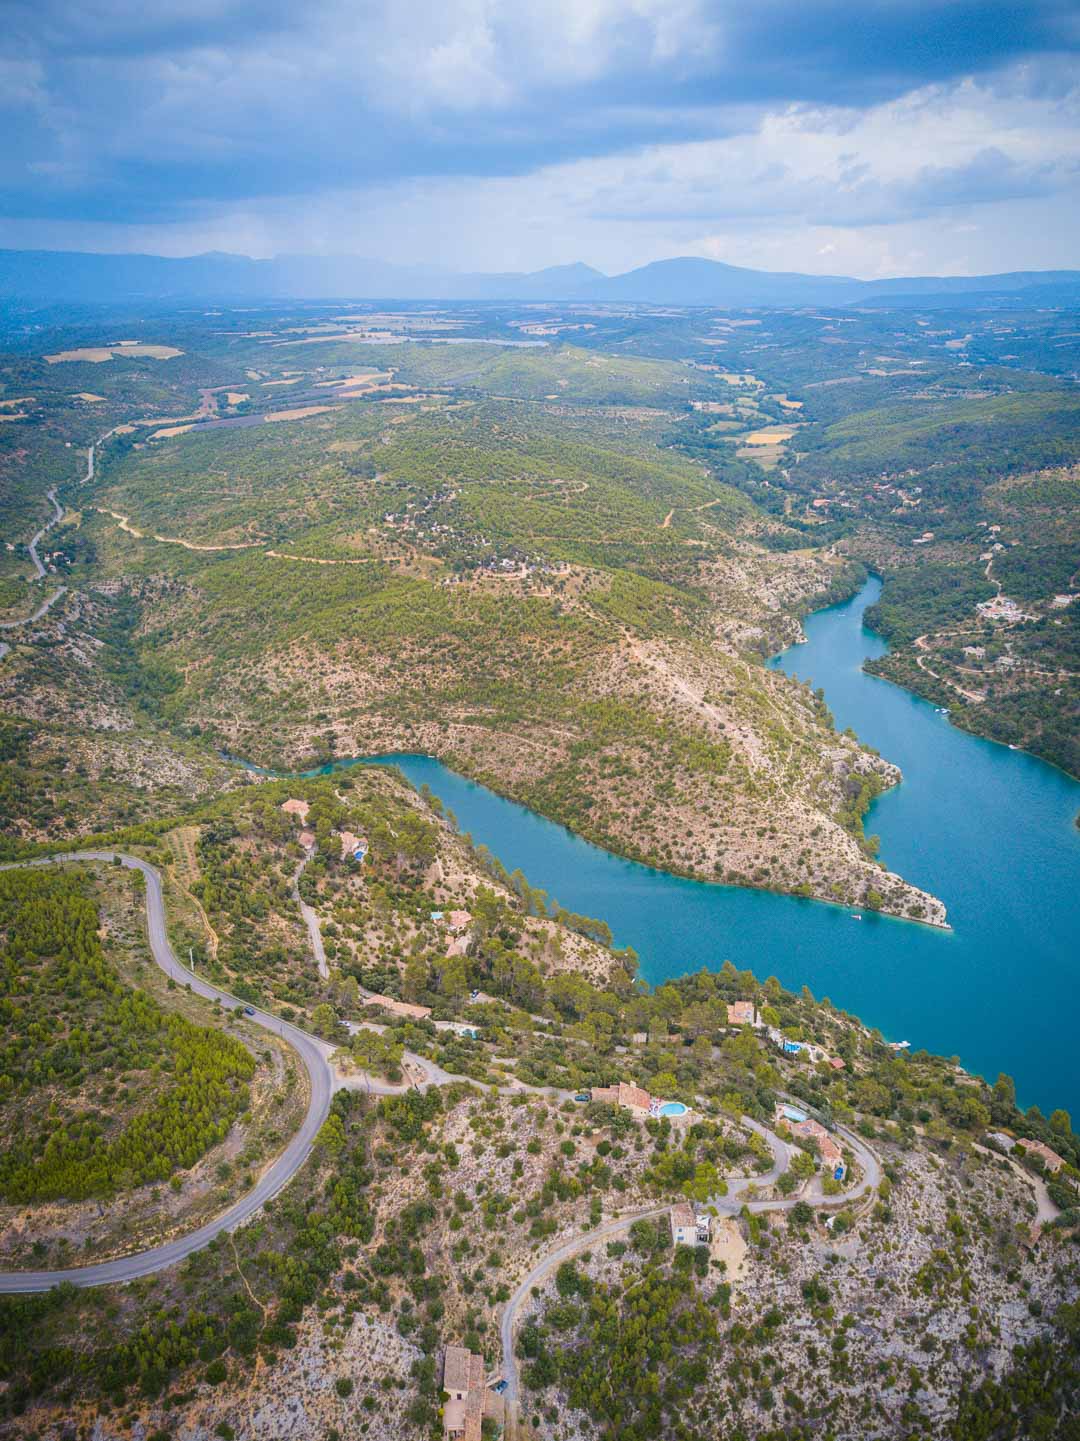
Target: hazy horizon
x,y
465,269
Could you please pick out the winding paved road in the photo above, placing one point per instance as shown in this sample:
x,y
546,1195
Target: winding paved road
x,y
42,608
584,1241
40,572
58,515
313,1055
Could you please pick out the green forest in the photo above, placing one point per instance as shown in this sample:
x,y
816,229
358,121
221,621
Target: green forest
x,y
100,1088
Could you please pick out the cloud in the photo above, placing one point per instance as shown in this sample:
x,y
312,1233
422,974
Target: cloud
x,y
516,133
170,110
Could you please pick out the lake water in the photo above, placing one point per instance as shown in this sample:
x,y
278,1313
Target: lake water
x,y
987,829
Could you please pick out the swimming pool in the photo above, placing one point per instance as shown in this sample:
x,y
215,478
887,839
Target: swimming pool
x,y
672,1108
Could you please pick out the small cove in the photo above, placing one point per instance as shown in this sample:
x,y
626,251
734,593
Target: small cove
x,y
989,830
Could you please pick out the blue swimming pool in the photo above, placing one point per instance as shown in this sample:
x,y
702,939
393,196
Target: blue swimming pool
x,y
672,1108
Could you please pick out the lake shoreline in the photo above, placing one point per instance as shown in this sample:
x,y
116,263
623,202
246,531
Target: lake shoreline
x,y
989,828
391,758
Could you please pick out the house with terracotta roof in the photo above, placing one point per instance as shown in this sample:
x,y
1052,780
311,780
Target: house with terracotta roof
x,y
742,1013
469,1400
631,1097
832,1158
404,1009
1050,1159
811,1128
684,1227
294,807
354,846
458,921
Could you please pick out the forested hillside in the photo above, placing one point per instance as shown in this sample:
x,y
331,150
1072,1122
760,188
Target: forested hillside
x,y
102,1089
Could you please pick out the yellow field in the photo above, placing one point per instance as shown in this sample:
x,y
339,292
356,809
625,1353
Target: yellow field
x,y
301,411
169,430
774,435
95,354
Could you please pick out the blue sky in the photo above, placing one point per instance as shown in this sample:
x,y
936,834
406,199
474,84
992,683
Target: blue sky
x,y
871,138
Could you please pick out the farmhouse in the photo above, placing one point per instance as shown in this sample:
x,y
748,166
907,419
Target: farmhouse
x,y
633,1098
1050,1159
684,1229
463,1380
397,1008
742,1013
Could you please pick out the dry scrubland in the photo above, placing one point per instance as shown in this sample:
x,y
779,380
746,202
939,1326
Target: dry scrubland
x,y
536,594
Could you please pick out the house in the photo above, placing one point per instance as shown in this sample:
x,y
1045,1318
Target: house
x,y
742,1013
632,1098
459,921
463,1381
1051,1160
397,1008
684,1227
836,1063
294,807
354,846
832,1158
811,1128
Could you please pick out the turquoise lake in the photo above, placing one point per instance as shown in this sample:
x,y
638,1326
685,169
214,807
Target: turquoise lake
x,y
989,830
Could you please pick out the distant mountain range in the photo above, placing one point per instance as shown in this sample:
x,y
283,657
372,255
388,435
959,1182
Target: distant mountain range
x,y
57,276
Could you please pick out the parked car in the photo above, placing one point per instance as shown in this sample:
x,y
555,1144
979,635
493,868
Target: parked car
x,y
249,1010
583,1096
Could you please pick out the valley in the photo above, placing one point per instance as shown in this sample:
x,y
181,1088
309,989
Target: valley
x,y
543,582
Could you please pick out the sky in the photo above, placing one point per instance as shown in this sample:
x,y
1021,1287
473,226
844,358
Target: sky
x,y
857,137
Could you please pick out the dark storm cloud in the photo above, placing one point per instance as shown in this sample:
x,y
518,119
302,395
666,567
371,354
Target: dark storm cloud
x,y
159,111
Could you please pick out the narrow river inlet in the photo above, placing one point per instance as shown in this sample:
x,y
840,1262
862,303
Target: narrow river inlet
x,y
989,830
